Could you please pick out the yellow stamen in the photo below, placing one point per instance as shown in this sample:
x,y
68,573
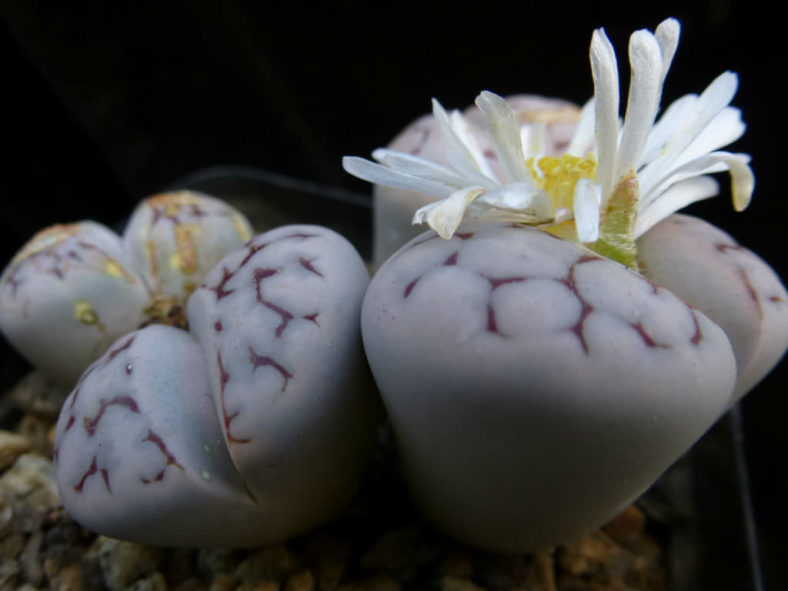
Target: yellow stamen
x,y
558,176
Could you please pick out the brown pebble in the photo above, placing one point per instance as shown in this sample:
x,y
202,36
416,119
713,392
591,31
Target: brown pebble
x,y
272,563
223,582
9,574
35,394
457,564
327,554
11,546
12,445
123,563
259,586
452,583
36,429
301,581
154,582
30,559
372,583
67,578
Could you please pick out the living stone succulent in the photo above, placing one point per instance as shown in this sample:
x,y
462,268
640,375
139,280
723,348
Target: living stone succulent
x,y
74,289
560,337
251,427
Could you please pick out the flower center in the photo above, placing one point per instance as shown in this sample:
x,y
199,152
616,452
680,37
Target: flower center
x,y
558,176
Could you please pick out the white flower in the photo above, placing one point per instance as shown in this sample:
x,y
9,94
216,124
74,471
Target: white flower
x,y
669,159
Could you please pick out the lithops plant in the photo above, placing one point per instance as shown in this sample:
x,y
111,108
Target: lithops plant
x,y
67,295
250,428
545,121
74,289
558,338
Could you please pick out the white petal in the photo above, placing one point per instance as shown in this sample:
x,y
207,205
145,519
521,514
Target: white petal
x,y
446,216
724,129
583,137
460,154
675,198
587,200
667,34
676,117
713,100
421,167
605,73
533,139
742,177
376,173
506,132
522,197
645,58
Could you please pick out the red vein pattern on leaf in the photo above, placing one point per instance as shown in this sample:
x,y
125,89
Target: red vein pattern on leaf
x,y
285,316
647,338
743,276
91,471
307,264
127,402
171,461
117,351
258,361
227,419
698,336
492,322
585,308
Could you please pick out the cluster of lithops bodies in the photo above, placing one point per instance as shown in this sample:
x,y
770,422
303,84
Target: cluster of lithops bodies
x,y
251,427
560,336
545,352
74,289
224,397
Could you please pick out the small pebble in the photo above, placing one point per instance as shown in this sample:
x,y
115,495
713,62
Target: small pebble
x,y
123,563
12,445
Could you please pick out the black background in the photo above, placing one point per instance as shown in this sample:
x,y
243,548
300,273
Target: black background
x,y
106,103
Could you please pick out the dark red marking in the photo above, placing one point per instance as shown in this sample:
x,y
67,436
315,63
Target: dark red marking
x,y
307,264
650,342
496,283
124,347
171,461
492,323
93,469
258,361
698,336
284,316
70,422
124,401
253,249
217,326
751,290
312,317
464,235
585,308
452,260
220,289
410,286
776,299
726,247
224,378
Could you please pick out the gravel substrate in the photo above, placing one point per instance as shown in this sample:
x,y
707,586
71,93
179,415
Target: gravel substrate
x,y
379,543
